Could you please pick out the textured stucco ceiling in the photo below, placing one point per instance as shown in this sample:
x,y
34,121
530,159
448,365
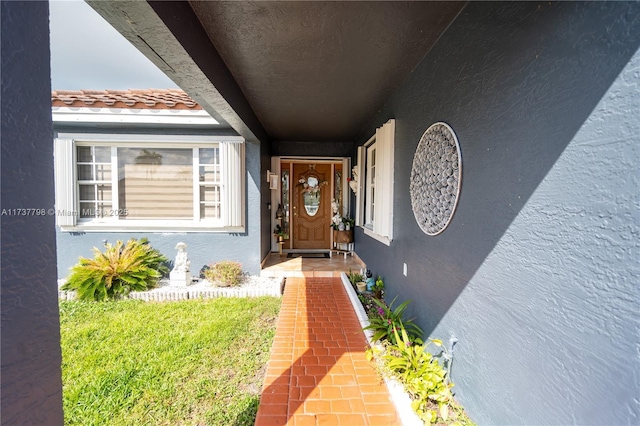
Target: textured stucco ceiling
x,y
318,71
277,71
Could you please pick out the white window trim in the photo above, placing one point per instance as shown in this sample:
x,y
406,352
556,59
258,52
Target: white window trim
x,y
360,187
382,228
233,190
370,184
108,138
131,116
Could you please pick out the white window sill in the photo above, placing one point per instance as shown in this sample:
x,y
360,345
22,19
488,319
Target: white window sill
x,y
165,227
384,240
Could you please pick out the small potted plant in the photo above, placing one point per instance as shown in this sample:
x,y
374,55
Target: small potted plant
x,y
348,223
357,280
279,233
378,288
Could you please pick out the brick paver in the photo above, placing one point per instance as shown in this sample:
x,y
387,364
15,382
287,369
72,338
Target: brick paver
x,y
317,373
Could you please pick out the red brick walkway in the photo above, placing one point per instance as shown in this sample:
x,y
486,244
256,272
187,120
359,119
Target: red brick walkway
x,y
318,373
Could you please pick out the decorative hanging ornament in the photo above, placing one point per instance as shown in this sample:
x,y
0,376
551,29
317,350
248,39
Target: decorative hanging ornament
x,y
436,176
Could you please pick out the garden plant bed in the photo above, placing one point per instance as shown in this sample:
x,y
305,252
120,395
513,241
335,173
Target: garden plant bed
x,y
366,309
399,397
187,362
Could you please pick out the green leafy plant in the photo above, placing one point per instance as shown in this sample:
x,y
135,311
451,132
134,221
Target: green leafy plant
x,y
367,304
122,268
280,233
388,319
378,288
225,273
355,277
349,221
423,377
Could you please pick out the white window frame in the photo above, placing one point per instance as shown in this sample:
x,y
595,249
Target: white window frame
x,y
232,164
375,204
370,184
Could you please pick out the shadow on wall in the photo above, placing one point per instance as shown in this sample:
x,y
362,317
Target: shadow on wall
x,y
516,82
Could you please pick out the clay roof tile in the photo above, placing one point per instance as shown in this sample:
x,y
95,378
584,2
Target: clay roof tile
x,y
133,99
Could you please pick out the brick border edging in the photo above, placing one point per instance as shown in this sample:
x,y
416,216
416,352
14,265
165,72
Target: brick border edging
x,y
399,397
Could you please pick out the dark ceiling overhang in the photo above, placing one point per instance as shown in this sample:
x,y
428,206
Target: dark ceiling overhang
x,y
285,71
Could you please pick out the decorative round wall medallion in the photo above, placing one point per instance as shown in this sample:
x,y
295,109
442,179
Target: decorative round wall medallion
x,y
435,178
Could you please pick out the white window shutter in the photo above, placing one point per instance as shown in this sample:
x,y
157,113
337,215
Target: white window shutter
x,y
361,179
383,223
232,161
65,205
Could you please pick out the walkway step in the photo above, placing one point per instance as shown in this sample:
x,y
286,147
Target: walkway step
x,y
318,373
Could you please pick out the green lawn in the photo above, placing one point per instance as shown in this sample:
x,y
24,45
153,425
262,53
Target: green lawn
x,y
174,363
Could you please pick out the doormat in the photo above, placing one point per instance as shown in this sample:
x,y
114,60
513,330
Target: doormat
x,y
308,255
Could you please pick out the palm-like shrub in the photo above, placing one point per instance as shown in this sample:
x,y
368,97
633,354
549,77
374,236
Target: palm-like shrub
x,y
122,268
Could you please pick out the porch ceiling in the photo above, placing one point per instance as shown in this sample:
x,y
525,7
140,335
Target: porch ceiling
x,y
303,71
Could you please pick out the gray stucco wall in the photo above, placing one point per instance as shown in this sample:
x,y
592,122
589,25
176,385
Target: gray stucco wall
x,y
203,248
31,376
537,275
312,149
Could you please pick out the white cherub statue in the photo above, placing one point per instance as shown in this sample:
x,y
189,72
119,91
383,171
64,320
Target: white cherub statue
x,y
182,262
180,275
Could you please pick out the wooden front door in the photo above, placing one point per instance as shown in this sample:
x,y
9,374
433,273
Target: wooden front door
x,y
311,206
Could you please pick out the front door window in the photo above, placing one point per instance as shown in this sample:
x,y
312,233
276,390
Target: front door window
x,y
311,196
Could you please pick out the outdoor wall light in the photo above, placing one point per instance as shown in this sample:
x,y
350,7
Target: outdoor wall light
x,y
272,178
280,212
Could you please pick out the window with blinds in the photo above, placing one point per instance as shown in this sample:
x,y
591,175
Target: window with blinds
x,y
150,185
155,183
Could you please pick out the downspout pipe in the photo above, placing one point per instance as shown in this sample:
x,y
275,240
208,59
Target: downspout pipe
x,y
449,356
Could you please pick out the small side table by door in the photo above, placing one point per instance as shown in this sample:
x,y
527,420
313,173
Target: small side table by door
x,y
342,239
